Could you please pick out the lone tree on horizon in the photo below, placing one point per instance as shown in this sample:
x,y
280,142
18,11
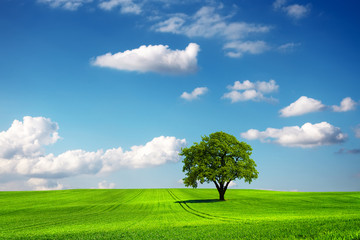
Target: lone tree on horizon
x,y
219,158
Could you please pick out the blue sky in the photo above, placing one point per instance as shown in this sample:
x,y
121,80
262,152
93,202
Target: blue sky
x,y
104,93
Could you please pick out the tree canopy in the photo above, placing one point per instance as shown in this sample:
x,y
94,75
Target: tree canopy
x,y
219,158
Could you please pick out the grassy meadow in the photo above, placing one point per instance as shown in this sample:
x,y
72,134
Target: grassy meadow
x,y
178,214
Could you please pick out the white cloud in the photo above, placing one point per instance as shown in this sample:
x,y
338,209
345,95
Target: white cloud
x,y
239,48
71,5
248,90
28,137
206,22
194,94
295,11
69,163
156,152
106,185
307,136
306,105
127,6
302,106
44,184
172,25
242,86
22,153
347,104
247,95
264,87
152,58
267,87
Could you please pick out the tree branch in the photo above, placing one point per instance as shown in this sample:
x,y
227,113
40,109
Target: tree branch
x,y
217,185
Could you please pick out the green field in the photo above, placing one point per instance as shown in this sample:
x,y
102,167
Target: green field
x,y
178,214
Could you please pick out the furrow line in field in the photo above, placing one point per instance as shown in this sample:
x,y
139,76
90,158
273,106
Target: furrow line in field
x,y
115,206
93,210
99,208
141,191
196,212
55,221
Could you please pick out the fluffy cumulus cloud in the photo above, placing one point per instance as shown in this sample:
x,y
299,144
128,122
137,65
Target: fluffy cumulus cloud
x,y
347,104
295,11
208,23
306,105
264,87
307,136
302,106
126,6
22,153
106,185
247,90
158,151
28,137
71,5
194,94
152,58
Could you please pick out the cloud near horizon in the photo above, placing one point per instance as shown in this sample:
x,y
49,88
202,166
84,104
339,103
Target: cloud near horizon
x,y
42,184
106,185
307,136
22,153
152,58
248,90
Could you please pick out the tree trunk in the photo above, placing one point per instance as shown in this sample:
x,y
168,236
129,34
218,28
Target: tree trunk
x,y
221,189
221,195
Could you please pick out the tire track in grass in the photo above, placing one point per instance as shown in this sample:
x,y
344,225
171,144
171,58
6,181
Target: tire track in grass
x,y
189,209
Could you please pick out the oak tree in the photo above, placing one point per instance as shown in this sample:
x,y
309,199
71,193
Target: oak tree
x,y
219,158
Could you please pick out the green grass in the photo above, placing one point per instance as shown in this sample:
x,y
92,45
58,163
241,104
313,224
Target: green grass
x,y
178,214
